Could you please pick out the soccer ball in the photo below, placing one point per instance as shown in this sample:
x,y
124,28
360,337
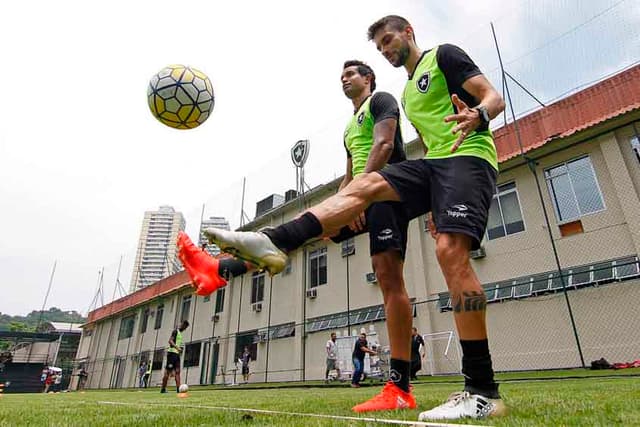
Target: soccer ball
x,y
183,388
180,96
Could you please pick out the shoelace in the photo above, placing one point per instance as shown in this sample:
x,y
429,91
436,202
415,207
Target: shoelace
x,y
456,397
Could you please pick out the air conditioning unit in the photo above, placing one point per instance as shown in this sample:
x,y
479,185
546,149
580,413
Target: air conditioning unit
x,y
312,293
478,253
371,278
257,307
215,318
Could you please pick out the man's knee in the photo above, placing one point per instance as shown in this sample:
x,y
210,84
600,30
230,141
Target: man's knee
x,y
371,187
452,250
388,269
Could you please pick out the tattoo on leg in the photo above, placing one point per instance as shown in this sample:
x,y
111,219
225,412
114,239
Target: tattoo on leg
x,y
470,301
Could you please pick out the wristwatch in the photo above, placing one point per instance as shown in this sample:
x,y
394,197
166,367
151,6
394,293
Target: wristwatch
x,y
483,114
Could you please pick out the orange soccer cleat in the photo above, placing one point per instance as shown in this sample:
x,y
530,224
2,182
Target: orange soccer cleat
x,y
201,267
390,398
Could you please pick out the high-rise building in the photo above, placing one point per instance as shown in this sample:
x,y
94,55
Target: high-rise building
x,y
215,222
156,257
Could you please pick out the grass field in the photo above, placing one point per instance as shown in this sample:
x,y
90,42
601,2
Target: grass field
x,y
559,398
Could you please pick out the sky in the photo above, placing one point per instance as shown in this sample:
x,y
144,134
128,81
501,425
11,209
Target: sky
x,y
82,159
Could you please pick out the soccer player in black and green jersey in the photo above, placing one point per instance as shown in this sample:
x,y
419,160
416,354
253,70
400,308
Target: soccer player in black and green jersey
x,y
173,356
372,140
450,103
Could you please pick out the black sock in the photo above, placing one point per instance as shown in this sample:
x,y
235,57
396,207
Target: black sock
x,y
231,267
400,372
291,235
477,369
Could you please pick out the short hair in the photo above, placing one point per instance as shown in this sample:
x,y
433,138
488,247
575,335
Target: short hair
x,y
185,323
395,22
363,69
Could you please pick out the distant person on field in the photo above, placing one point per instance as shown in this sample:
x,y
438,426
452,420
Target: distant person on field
x,y
173,356
332,357
245,358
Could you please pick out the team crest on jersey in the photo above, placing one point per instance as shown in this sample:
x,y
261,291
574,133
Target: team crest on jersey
x,y
423,82
360,118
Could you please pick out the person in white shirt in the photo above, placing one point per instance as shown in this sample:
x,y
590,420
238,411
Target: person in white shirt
x,y
332,357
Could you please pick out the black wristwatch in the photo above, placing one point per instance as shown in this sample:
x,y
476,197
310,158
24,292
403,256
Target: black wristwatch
x,y
483,114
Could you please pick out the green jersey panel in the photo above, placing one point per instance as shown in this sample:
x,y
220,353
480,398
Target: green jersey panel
x,y
426,100
178,342
358,137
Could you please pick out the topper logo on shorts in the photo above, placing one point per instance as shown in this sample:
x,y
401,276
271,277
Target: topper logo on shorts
x,y
385,234
458,211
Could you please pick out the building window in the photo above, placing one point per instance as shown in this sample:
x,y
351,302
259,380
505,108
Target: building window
x,y
186,307
505,215
126,327
192,354
574,189
158,358
318,267
145,320
635,146
348,247
257,287
159,313
220,300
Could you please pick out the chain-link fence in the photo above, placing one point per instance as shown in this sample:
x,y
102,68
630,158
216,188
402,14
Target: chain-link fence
x,y
559,264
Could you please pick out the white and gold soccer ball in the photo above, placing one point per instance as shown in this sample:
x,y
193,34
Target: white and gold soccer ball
x,y
180,96
183,388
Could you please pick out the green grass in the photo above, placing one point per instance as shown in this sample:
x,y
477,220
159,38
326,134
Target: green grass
x,y
592,400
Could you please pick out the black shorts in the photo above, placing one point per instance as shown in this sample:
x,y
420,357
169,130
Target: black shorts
x,y
457,190
173,361
386,223
245,370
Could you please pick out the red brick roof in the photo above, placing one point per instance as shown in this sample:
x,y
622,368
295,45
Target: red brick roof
x,y
605,100
162,287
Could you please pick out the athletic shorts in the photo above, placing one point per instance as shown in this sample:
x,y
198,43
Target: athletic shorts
x,y
173,361
331,364
245,370
386,223
457,190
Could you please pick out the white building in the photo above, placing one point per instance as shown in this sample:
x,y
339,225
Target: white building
x,y
156,256
215,222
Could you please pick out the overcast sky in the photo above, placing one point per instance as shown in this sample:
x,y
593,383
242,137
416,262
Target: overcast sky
x,y
81,157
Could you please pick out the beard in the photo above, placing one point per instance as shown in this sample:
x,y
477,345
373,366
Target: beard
x,y
403,55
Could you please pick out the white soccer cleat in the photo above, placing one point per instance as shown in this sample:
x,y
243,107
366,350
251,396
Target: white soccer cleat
x,y
465,405
250,246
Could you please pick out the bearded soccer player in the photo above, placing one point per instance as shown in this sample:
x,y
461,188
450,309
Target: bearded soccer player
x,y
372,139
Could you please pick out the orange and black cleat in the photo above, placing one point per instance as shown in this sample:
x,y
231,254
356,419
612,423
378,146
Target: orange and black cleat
x,y
390,398
201,267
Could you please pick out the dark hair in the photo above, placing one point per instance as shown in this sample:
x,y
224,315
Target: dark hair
x,y
185,323
395,22
363,70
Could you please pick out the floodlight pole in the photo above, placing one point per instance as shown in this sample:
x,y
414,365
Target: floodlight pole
x,y
532,167
266,365
46,297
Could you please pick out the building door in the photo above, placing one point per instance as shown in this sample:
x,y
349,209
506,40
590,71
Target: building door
x,y
117,373
214,362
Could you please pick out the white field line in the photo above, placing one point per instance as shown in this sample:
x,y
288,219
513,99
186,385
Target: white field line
x,y
298,414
